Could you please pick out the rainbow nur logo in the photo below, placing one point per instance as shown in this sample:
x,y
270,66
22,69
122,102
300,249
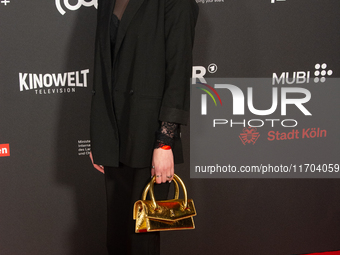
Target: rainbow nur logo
x,y
204,97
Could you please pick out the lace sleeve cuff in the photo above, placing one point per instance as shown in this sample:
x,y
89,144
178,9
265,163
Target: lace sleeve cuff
x,y
166,134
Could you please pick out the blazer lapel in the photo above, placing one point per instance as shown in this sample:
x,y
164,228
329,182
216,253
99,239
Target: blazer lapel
x,y
104,19
128,14
104,15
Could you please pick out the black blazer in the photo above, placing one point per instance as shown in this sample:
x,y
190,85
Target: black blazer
x,y
152,65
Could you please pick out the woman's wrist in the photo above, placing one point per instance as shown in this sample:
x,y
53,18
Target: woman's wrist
x,y
162,145
165,147
165,135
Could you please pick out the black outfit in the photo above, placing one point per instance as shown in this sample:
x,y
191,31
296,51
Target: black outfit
x,y
124,186
168,130
140,96
152,70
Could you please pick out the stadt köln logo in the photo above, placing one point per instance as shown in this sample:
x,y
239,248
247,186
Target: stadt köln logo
x,y
249,135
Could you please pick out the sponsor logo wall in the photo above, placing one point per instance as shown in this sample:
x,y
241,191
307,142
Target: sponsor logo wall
x,y
262,159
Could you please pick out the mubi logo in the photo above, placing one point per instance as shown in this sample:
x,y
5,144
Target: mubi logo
x,y
321,72
300,77
74,7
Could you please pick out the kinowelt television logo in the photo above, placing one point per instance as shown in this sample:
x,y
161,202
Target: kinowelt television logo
x,y
75,6
53,83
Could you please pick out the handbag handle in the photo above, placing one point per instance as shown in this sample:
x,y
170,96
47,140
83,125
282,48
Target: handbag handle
x,y
147,187
176,179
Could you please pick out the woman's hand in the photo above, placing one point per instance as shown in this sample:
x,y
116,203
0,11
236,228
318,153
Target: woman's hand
x,y
98,167
163,162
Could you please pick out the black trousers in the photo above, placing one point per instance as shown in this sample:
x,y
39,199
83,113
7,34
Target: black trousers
x,y
124,186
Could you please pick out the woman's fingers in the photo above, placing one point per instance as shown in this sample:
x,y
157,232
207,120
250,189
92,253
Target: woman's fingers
x,y
152,170
100,168
171,174
164,176
163,160
159,174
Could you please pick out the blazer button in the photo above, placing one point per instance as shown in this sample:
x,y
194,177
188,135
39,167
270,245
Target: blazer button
x,y
93,92
131,92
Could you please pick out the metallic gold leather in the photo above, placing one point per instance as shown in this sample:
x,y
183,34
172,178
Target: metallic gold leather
x,y
152,196
147,187
174,214
176,189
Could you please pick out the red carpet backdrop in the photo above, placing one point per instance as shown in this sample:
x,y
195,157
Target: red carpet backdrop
x,y
265,109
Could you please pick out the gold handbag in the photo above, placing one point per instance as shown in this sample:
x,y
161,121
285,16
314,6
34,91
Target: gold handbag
x,y
174,214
